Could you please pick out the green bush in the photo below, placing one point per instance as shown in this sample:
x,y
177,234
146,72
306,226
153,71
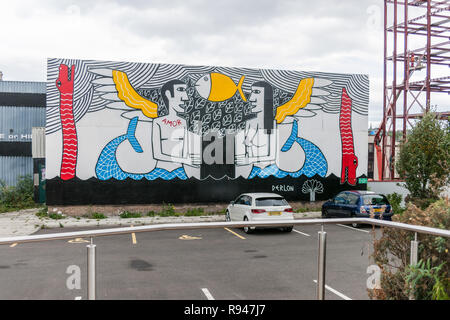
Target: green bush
x,y
392,255
424,160
423,276
17,197
395,200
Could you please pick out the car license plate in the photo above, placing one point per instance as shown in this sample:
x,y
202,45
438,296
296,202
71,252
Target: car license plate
x,y
378,210
275,213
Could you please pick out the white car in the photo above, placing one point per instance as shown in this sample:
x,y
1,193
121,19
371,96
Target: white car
x,y
259,207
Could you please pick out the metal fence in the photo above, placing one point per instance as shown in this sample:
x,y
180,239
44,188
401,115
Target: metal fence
x,y
321,264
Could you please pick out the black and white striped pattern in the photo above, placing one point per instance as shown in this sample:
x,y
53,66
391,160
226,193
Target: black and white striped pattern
x,y
146,76
86,99
357,86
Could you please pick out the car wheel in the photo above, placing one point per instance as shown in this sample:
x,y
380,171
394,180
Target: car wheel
x,y
227,216
288,229
324,214
247,229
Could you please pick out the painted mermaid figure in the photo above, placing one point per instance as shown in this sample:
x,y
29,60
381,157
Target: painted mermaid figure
x,y
174,147
261,140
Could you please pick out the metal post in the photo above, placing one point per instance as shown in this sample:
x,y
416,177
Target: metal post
x,y
394,97
406,63
428,50
91,270
321,265
414,251
413,259
385,97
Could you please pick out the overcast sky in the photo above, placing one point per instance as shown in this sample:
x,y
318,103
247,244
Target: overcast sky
x,y
321,35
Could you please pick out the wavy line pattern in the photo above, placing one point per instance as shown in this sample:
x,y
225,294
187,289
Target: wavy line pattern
x,y
300,99
85,98
345,125
131,97
147,76
357,86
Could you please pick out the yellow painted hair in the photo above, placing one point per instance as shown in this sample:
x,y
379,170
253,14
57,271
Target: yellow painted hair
x,y
131,98
300,99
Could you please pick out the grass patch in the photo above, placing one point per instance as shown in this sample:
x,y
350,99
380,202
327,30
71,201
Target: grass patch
x,y
195,212
221,212
306,209
167,211
56,216
43,213
127,214
151,213
98,216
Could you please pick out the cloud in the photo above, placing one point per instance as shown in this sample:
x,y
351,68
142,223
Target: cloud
x,y
323,35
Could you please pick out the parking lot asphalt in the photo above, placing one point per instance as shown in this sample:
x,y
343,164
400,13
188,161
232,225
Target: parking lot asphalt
x,y
221,264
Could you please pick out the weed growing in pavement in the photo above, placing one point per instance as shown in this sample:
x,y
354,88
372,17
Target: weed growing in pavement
x,y
195,212
167,211
56,216
43,212
98,216
308,209
151,213
127,214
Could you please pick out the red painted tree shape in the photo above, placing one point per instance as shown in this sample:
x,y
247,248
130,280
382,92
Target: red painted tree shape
x,y
64,83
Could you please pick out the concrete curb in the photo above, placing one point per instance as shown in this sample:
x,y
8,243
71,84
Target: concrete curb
x,y
25,222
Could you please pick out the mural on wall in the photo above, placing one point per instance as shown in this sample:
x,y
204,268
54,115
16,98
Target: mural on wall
x,y
122,122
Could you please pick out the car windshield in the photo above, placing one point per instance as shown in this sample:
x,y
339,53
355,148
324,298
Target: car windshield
x,y
375,199
271,202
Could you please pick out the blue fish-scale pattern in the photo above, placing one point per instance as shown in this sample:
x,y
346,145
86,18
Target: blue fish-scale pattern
x,y
315,162
107,166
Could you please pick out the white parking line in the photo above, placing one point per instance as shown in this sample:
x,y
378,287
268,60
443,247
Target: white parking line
x,y
305,234
341,295
352,228
207,294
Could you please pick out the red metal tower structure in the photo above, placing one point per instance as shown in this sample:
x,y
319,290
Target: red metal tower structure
x,y
411,75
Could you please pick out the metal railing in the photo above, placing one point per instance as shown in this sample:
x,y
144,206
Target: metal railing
x,y
320,292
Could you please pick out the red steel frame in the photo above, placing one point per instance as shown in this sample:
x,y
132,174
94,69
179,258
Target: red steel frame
x,y
433,28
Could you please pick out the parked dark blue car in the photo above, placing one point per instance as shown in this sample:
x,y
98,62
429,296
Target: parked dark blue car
x,y
354,204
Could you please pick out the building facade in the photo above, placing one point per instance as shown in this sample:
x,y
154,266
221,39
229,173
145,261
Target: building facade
x,y
125,133
22,106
